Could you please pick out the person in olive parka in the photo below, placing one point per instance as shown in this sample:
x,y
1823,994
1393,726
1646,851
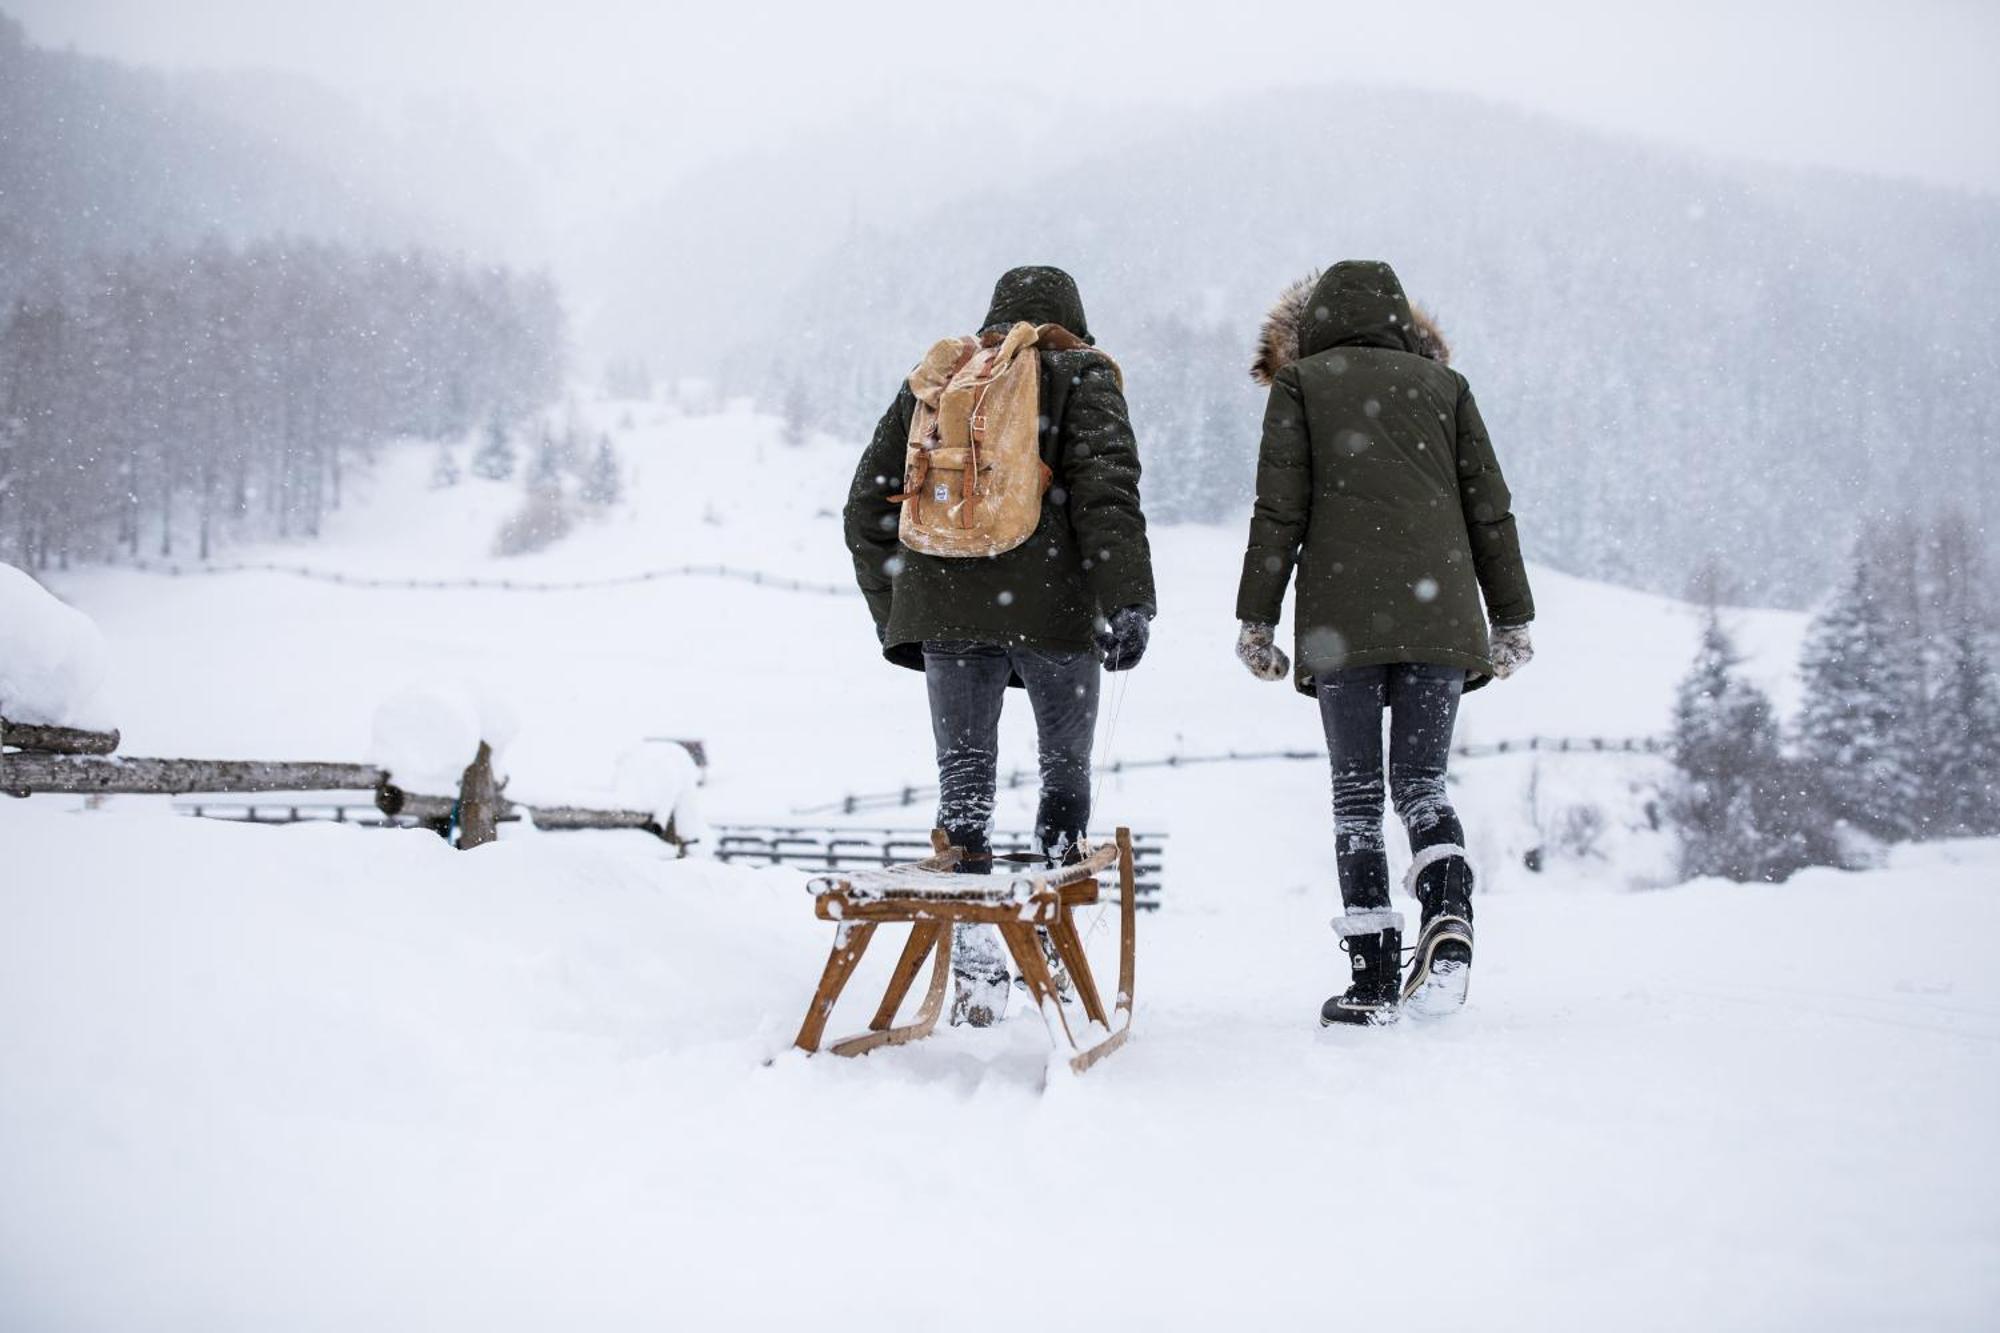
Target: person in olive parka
x,y
1377,486
1041,616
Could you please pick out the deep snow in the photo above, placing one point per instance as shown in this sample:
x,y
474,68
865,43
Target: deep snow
x,y
325,1077
330,1078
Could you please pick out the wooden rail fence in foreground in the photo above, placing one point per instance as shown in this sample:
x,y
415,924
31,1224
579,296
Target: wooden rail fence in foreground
x,y
65,761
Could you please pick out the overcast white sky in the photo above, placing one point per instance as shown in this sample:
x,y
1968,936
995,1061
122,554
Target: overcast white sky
x,y
1906,89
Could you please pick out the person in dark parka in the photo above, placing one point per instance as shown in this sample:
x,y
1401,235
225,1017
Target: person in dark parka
x,y
1042,616
1380,498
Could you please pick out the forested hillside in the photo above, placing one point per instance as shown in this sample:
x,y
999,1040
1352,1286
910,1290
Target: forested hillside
x,y
203,327
1678,358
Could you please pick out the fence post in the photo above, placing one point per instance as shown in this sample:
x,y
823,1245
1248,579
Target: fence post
x,y
478,802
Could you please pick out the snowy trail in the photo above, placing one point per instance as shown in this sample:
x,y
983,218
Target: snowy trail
x,y
524,1087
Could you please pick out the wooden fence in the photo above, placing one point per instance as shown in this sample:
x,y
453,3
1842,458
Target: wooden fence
x,y
55,760
1019,778
755,577
805,847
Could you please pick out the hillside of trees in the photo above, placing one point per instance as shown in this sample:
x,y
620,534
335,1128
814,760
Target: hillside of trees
x,y
167,399
205,326
1676,356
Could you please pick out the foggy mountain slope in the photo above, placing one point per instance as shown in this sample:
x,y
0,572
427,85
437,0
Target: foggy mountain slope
x,y
1675,358
102,158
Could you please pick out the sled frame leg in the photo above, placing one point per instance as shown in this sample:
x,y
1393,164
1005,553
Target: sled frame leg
x,y
850,941
1069,948
1027,951
1128,952
926,937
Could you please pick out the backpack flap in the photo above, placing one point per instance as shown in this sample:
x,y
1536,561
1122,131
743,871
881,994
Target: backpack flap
x,y
973,476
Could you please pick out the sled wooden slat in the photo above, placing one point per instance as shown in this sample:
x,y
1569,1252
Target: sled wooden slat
x,y
931,899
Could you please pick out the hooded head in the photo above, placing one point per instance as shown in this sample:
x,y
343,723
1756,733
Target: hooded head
x,y
1356,303
1038,294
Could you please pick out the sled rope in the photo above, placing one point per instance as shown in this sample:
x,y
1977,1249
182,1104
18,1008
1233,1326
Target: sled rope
x,y
1110,743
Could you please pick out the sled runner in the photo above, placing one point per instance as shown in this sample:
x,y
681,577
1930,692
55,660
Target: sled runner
x,y
931,898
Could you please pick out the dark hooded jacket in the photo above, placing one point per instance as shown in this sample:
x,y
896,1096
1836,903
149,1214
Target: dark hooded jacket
x,y
1377,482
1087,558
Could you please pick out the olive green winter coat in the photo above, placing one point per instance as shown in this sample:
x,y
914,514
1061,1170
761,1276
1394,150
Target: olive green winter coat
x,y
1088,556
1377,482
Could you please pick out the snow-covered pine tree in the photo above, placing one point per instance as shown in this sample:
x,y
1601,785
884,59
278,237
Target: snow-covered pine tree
x,y
1731,773
1964,740
798,412
1912,599
444,469
601,485
1966,746
545,472
1861,677
495,458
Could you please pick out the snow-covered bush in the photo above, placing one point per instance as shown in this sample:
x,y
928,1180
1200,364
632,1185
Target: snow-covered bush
x,y
543,519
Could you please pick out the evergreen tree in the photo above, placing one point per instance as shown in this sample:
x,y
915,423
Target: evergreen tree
x,y
601,485
1966,746
798,410
495,459
1855,724
546,471
1734,803
444,469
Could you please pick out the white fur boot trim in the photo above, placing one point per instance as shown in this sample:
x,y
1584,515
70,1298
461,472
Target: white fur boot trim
x,y
1367,923
1429,857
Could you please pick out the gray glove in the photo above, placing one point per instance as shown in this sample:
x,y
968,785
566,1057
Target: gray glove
x,y
1256,649
1511,649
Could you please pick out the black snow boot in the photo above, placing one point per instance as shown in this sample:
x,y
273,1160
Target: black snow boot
x,y
1374,944
1440,879
978,957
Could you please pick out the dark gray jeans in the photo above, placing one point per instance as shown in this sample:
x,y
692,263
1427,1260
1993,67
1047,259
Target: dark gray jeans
x,y
1422,701
967,684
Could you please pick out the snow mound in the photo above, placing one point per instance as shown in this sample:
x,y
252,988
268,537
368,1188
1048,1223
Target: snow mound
x,y
658,777
52,657
661,778
425,736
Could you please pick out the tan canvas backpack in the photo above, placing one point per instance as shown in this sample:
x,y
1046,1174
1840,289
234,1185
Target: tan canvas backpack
x,y
973,475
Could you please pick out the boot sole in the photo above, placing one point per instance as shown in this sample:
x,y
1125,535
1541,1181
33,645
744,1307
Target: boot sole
x,y
1441,974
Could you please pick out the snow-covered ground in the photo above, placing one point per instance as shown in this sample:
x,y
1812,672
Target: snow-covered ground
x,y
326,1077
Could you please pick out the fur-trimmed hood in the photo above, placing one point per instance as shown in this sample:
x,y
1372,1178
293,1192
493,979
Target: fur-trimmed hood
x,y
1356,303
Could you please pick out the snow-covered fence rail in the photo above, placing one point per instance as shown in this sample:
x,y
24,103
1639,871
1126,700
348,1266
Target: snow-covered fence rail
x,y
816,848
27,774
473,813
756,577
394,802
56,740
1018,778
406,810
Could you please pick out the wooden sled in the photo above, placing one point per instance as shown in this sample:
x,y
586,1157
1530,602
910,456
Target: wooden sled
x,y
931,898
